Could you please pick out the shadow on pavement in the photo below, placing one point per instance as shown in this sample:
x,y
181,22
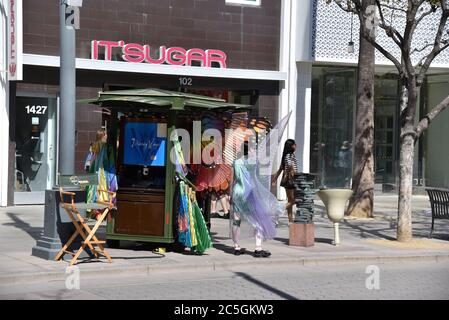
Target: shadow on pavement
x,y
324,240
375,229
225,248
265,286
87,260
34,232
363,232
283,240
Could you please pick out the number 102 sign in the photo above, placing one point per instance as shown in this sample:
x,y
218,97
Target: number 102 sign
x,y
185,81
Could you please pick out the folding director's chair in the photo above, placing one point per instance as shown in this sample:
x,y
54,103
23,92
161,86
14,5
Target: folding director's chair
x,y
74,210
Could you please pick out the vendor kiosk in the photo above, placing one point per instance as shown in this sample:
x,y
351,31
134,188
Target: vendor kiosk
x,y
142,122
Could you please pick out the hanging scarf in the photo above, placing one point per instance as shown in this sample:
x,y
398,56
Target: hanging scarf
x,y
103,163
204,241
184,218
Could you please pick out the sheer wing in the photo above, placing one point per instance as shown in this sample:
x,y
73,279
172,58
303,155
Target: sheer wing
x,y
263,157
234,141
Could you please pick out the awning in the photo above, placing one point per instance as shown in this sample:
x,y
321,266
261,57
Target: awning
x,y
159,98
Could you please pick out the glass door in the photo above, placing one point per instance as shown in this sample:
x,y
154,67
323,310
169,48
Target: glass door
x,y
35,148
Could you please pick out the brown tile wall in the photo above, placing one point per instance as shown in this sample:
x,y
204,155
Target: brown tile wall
x,y
248,35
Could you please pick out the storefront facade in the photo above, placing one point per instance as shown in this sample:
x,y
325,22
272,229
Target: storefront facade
x,y
282,56
326,78
228,49
4,118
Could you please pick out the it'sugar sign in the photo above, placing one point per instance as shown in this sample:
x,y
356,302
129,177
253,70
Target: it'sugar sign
x,y
72,17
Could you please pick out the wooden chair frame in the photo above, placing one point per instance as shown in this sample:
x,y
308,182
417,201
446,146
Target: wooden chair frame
x,y
83,229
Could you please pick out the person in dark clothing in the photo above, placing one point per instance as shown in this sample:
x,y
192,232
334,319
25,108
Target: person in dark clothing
x,y
288,168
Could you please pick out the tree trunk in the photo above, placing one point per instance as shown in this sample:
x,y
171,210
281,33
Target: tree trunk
x,y
361,203
404,229
406,155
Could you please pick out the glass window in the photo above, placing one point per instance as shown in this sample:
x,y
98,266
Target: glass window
x,y
332,126
435,137
244,2
385,129
333,105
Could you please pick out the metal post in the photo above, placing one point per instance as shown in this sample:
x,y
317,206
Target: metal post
x,y
336,241
57,229
68,95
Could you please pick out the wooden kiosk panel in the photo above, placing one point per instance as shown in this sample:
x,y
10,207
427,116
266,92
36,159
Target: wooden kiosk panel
x,y
140,214
152,220
142,174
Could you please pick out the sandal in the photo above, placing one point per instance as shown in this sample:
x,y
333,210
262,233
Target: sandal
x,y
214,215
238,252
261,254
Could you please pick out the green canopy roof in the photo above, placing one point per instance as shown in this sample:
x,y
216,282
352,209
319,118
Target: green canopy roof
x,y
159,98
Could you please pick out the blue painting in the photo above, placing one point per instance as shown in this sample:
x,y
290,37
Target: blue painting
x,y
144,143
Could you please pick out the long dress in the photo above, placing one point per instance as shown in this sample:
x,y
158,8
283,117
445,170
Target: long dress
x,y
251,197
252,201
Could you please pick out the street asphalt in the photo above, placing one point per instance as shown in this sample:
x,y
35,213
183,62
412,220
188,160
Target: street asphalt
x,y
416,280
363,242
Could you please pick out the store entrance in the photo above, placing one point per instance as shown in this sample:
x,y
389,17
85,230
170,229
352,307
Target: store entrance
x,y
35,148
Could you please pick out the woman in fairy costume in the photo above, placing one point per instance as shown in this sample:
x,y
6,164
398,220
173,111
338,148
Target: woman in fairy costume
x,y
251,197
102,162
254,203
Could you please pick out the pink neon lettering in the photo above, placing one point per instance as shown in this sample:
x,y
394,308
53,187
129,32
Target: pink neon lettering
x,y
108,45
162,52
94,49
136,53
133,52
179,56
216,56
197,55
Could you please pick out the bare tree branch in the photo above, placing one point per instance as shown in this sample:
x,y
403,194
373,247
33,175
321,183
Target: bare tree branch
x,y
416,50
432,9
366,35
346,8
410,27
437,47
393,7
424,123
404,67
389,29
357,9
446,45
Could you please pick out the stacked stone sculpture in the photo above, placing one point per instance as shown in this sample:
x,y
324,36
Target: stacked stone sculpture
x,y
304,196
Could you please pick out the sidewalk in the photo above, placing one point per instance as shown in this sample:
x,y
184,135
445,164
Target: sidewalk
x,y
362,240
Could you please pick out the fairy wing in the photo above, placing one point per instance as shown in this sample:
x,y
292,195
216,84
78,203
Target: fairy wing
x,y
235,139
265,153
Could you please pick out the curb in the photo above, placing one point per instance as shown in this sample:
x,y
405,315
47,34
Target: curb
x,y
212,266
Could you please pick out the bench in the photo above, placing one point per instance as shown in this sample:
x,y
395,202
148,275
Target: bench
x,y
439,202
